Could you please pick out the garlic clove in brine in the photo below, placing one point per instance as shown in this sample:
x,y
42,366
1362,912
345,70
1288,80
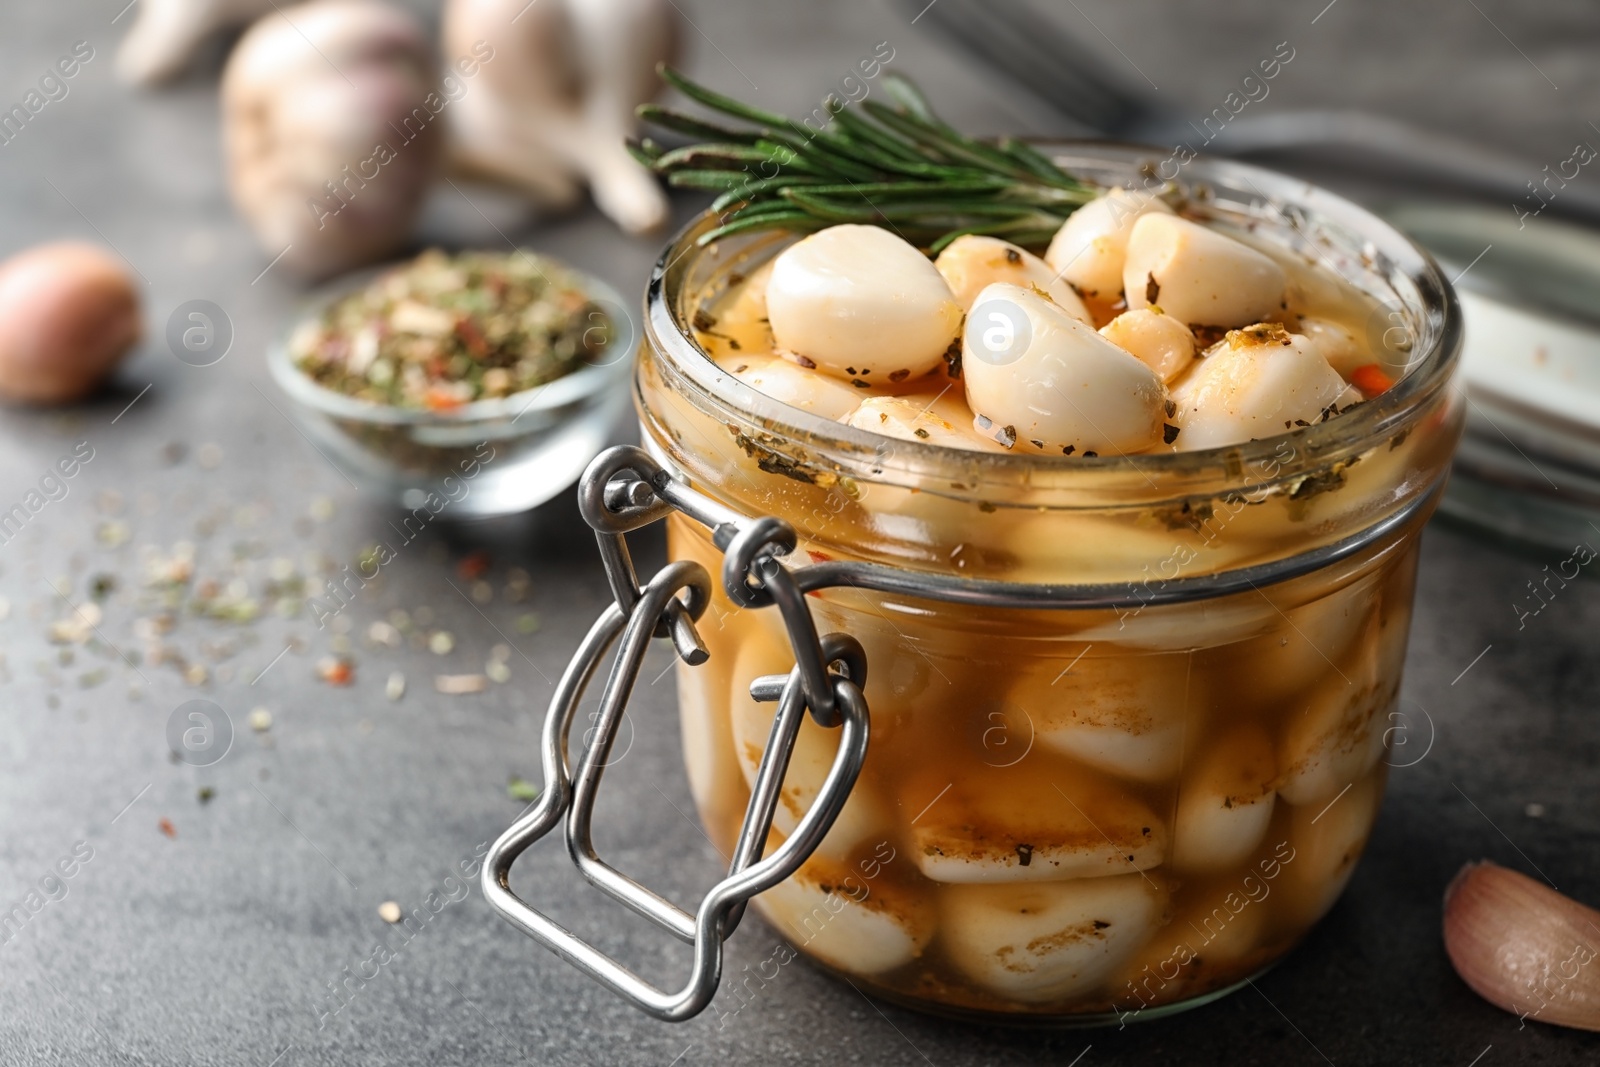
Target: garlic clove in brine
x,y
1199,275
333,132
1160,341
1258,382
1039,379
1089,249
861,304
973,262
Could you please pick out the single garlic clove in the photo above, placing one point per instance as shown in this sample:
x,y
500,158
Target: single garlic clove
x,y
1090,248
1225,804
914,419
1336,344
68,313
847,920
1119,713
1524,947
1257,383
1200,276
1324,843
971,263
1019,822
861,303
789,383
1160,341
1036,376
1047,941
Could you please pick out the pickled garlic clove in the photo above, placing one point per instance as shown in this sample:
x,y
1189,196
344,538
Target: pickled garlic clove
x,y
1257,383
1336,733
1039,379
864,815
789,383
1327,840
1335,343
1013,824
1225,804
1158,340
1306,645
1206,945
860,303
909,419
1200,276
1090,248
1117,713
1038,943
971,263
848,920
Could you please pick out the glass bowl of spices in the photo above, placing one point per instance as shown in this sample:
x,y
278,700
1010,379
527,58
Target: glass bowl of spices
x,y
470,383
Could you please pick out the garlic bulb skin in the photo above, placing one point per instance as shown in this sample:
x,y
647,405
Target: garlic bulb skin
x,y
972,262
1160,341
1257,383
329,156
860,302
166,34
1036,374
555,106
1089,249
1523,947
1200,276
68,313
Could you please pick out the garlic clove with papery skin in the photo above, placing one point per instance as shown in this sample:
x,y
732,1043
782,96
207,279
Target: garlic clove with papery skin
x,y
1038,378
333,131
1524,947
972,262
860,303
1200,276
1089,249
166,34
555,105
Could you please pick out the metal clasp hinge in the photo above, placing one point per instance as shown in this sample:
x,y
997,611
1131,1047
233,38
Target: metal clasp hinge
x,y
623,490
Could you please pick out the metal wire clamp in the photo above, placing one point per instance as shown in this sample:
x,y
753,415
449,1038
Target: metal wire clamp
x,y
625,489
619,494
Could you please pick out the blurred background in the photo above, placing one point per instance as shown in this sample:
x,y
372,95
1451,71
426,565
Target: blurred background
x,y
227,895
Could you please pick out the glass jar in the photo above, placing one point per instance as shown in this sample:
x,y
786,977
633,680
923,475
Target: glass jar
x,y
1086,811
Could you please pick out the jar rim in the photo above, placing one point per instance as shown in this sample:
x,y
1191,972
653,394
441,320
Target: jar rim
x,y
1294,214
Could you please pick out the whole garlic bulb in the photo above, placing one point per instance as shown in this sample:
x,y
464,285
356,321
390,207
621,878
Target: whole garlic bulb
x,y
166,34
554,105
333,131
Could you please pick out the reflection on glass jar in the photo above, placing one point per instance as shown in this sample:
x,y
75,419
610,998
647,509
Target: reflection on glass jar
x,y
1071,814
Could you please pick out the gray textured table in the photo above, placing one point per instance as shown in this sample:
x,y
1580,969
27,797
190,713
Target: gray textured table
x,y
209,932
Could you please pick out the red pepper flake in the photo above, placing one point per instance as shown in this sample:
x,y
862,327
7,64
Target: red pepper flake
x,y
474,565
166,827
818,557
1371,379
335,670
437,399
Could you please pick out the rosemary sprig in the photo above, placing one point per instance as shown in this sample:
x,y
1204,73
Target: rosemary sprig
x,y
896,165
